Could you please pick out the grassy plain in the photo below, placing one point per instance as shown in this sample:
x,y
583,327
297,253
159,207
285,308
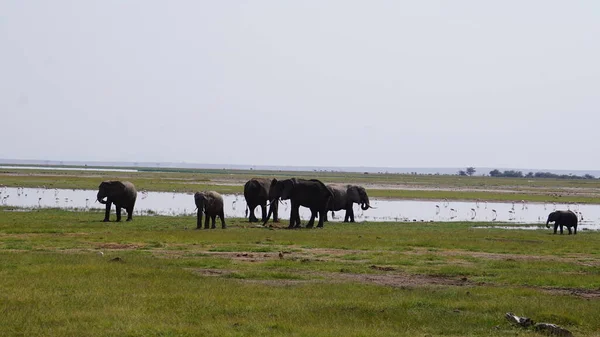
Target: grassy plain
x,y
159,277
398,186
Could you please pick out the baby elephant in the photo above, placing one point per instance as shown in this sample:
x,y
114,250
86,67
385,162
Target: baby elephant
x,y
563,218
211,203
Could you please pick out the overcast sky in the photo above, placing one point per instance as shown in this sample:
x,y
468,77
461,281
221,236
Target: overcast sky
x,y
318,83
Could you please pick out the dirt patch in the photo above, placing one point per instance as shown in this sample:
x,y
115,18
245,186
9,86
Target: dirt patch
x,y
245,256
210,272
395,279
382,268
387,279
405,280
117,246
508,257
584,293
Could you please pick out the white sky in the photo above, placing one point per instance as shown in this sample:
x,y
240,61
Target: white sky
x,y
319,83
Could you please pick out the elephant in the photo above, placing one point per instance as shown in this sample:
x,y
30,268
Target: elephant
x,y
121,193
256,192
312,194
344,196
211,203
563,218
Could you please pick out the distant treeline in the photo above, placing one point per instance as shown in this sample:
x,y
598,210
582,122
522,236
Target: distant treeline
x,y
519,174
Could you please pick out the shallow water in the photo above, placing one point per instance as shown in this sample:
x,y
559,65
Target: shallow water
x,y
165,203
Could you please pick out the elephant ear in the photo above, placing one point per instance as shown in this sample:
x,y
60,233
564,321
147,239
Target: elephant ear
x,y
353,193
288,186
117,184
104,184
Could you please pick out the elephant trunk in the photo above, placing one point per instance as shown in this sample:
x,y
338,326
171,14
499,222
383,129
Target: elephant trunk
x,y
199,219
199,200
547,223
100,198
364,202
272,202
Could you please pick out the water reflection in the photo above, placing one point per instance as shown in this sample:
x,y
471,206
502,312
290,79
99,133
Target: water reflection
x,y
165,203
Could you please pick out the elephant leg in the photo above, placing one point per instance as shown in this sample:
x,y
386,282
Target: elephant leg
x,y
555,227
199,219
252,215
569,228
574,229
213,218
298,223
222,216
206,221
118,213
276,211
561,229
107,212
311,222
350,213
292,217
129,213
322,215
263,209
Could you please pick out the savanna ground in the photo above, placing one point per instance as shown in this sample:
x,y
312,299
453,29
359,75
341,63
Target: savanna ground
x,y
157,276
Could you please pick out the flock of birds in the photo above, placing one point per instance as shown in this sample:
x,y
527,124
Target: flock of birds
x,y
443,210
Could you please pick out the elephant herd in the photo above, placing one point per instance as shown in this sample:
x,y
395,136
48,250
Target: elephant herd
x,y
310,193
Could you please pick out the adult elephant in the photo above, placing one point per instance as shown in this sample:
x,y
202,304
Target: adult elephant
x,y
312,194
563,218
256,192
345,196
210,203
121,193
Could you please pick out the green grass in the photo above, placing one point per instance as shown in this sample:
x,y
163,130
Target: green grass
x,y
345,279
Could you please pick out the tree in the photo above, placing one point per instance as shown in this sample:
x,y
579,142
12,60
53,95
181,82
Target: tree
x,y
470,170
462,173
495,173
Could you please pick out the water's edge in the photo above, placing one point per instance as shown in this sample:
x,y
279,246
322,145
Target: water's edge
x,y
393,210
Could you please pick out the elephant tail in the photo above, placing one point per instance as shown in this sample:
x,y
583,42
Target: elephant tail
x,y
332,214
246,213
